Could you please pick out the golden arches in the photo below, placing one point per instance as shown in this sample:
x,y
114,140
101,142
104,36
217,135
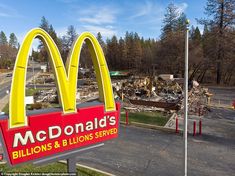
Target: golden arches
x,y
66,78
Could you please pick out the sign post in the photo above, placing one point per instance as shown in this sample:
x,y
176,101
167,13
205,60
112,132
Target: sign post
x,y
34,81
71,164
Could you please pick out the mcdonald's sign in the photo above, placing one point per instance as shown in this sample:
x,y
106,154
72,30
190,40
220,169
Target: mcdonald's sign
x,y
30,137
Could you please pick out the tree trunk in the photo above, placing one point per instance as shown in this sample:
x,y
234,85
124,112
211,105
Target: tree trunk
x,y
218,72
220,48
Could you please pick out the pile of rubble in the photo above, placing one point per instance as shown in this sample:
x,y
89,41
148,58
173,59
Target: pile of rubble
x,y
159,94
141,94
149,89
84,93
87,92
49,96
198,99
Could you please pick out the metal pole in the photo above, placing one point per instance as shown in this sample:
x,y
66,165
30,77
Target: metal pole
x,y
186,100
71,165
34,85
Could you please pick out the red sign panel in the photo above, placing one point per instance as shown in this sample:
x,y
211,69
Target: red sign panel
x,y
55,132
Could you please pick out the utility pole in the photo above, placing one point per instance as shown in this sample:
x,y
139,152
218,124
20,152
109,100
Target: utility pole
x,y
34,85
186,101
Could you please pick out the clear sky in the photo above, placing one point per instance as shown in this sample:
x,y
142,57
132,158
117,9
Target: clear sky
x,y
107,16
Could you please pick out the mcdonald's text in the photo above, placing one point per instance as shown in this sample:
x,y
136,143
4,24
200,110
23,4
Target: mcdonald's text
x,y
52,133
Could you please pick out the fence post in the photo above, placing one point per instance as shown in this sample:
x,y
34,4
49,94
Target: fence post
x,y
200,126
127,120
194,128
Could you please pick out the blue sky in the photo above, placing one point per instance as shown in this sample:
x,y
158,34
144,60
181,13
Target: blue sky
x,y
107,16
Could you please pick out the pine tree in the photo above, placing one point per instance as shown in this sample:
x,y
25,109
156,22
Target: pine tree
x,y
7,51
43,55
112,53
122,53
197,36
3,38
181,25
101,42
220,20
171,50
44,24
137,51
71,35
170,20
67,41
13,41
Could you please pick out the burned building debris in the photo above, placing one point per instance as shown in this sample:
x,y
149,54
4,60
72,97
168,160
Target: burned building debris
x,y
162,93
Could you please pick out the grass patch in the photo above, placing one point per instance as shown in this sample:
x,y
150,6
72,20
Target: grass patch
x,y
6,109
49,168
31,92
153,118
5,70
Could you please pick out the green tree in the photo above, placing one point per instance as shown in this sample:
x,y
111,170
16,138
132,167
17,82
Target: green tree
x,y
44,24
181,25
71,36
101,42
13,42
3,38
7,52
170,54
67,41
43,54
170,20
196,35
56,39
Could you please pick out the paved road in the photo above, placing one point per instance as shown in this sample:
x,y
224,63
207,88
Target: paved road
x,y
150,152
222,95
7,85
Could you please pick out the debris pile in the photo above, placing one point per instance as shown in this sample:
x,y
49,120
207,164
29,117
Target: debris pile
x,y
198,99
150,91
44,78
160,94
87,92
47,96
84,93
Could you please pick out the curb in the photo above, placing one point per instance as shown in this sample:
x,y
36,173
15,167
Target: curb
x,y
90,168
149,126
79,165
225,107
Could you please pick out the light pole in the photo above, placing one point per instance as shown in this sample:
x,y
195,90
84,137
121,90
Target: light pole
x,y
186,100
34,85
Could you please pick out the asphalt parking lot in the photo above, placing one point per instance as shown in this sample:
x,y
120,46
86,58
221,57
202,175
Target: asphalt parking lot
x,y
140,151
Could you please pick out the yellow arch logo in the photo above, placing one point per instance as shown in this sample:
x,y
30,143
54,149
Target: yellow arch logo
x,y
66,77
